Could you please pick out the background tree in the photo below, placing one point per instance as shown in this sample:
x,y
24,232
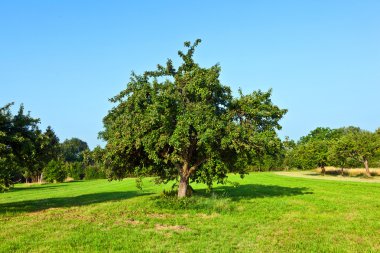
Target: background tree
x,y
55,171
46,148
72,152
93,161
288,149
363,146
18,134
312,150
340,154
72,149
322,133
184,124
8,162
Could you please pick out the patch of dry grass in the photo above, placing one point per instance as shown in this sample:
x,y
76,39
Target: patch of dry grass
x,y
351,172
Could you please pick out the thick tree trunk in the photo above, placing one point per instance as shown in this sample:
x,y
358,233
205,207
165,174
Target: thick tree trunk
x,y
342,171
366,167
183,186
323,170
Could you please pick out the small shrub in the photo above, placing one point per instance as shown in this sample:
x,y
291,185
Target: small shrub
x,y
75,170
94,172
55,171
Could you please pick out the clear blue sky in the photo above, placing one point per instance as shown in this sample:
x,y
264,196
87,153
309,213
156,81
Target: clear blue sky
x,y
64,59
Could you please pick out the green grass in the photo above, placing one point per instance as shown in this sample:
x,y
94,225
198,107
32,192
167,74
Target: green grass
x,y
266,213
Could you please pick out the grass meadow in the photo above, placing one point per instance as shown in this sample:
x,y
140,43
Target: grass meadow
x,y
265,213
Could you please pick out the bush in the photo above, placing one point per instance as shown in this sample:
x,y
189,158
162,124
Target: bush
x,y
94,172
55,171
75,170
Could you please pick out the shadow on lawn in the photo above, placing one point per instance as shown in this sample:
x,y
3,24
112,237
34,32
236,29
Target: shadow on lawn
x,y
40,187
82,200
225,199
250,191
36,187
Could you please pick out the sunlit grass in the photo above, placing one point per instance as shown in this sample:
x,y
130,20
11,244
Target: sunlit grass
x,y
266,213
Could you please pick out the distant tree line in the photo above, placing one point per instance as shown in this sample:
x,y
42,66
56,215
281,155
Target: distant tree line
x,y
28,154
346,147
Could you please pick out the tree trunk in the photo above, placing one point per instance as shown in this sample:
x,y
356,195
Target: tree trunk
x,y
183,186
342,171
366,167
323,170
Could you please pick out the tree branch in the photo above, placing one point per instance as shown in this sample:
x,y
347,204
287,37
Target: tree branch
x,y
196,165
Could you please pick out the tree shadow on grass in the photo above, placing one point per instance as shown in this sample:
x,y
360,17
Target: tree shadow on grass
x,y
82,200
225,199
252,191
36,187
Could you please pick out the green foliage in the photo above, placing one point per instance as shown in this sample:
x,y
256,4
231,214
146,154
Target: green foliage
x,y
183,123
55,171
321,133
72,150
313,150
345,147
9,171
356,146
45,149
339,154
311,154
267,151
75,170
94,172
94,163
18,135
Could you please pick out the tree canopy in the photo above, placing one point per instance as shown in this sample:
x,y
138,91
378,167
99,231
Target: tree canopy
x,y
18,134
183,124
26,151
72,149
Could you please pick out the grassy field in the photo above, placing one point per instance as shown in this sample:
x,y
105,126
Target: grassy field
x,y
266,213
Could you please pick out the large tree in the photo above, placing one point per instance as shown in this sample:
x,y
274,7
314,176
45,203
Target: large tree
x,y
17,138
312,150
182,123
46,149
364,145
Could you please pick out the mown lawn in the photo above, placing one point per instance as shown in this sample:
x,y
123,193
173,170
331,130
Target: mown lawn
x,y
266,213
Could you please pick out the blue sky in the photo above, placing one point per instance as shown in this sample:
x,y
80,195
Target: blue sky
x,y
64,59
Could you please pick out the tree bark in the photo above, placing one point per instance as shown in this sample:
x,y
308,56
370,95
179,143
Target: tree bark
x,y
184,180
323,170
183,186
366,167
